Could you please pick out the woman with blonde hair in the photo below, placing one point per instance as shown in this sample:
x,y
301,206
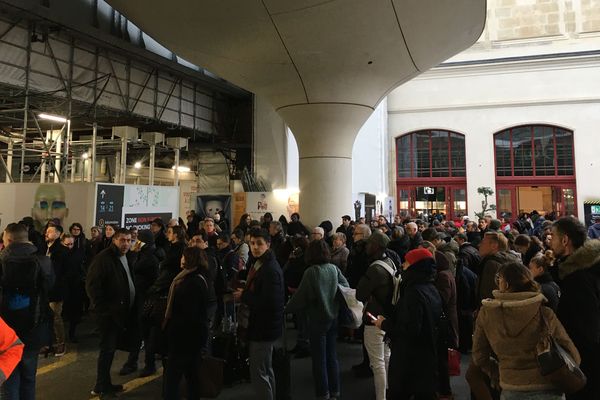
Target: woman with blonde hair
x,y
510,326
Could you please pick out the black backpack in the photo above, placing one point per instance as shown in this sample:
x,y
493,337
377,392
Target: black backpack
x,y
23,305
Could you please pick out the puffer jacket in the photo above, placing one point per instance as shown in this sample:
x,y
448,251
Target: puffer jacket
x,y
510,326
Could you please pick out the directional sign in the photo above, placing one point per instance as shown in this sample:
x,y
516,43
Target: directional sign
x,y
428,190
109,205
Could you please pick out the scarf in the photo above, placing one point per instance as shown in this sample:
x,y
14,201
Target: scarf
x,y
176,281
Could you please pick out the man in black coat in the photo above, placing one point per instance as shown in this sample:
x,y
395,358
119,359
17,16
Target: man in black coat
x,y
413,330
579,305
347,229
264,296
412,230
58,255
111,289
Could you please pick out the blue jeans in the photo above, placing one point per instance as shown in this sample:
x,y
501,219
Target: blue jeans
x,y
326,371
21,383
537,395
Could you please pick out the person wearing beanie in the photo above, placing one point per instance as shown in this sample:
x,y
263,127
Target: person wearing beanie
x,y
327,232
412,329
375,289
495,225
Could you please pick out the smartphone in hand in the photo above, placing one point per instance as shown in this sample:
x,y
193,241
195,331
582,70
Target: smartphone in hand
x,y
371,316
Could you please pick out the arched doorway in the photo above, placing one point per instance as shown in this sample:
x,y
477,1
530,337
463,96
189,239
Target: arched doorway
x,y
535,170
431,174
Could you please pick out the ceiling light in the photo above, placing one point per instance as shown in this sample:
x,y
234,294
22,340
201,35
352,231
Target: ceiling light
x,y
182,168
137,165
85,156
52,117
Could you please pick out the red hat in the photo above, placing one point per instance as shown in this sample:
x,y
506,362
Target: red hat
x,y
416,255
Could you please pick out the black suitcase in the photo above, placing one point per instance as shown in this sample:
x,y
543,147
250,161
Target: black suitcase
x,y
230,349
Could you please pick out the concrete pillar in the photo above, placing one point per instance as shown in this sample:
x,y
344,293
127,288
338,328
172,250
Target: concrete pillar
x,y
325,135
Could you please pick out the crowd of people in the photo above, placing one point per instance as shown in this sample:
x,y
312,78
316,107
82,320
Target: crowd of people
x,y
486,288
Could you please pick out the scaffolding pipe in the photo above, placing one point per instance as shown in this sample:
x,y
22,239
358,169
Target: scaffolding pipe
x,y
58,158
176,180
123,170
9,160
26,107
116,179
8,176
151,166
66,152
73,164
94,139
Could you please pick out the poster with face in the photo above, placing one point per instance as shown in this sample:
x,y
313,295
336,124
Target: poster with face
x,y
67,203
207,205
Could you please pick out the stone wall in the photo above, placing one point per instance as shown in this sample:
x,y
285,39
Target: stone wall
x,y
510,20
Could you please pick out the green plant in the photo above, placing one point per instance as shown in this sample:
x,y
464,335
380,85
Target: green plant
x,y
485,191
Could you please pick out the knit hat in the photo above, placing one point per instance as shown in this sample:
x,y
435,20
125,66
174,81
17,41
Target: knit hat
x,y
327,226
416,255
146,237
379,239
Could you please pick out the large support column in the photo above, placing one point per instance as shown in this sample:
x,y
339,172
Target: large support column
x,y
325,134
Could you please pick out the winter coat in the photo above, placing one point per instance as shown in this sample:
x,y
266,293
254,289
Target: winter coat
x,y
297,228
264,295
11,350
469,255
316,295
415,241
168,269
594,231
339,257
375,289
281,248
413,331
58,255
187,329
579,310
489,266
510,326
401,246
145,268
450,250
349,232
358,262
107,286
294,269
474,238
446,286
33,339
549,289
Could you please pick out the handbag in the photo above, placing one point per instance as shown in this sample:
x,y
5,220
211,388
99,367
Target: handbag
x,y
154,309
351,310
453,362
556,364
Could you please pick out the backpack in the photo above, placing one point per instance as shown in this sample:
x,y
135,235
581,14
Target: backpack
x,y
396,279
22,304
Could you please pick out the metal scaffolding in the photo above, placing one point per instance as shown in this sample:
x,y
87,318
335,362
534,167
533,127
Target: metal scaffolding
x,y
44,69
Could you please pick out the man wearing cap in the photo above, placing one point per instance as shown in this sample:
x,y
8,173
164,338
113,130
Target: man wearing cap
x,y
375,289
594,230
347,229
413,329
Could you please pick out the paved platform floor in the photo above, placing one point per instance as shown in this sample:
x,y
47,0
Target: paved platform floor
x,y
71,377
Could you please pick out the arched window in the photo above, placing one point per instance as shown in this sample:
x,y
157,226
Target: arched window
x,y
535,170
431,154
534,150
431,174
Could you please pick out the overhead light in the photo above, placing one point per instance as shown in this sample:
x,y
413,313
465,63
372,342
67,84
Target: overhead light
x,y
137,165
52,117
181,168
85,156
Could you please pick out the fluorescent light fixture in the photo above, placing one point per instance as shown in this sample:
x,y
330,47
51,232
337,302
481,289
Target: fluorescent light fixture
x,y
52,117
137,165
85,156
181,168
